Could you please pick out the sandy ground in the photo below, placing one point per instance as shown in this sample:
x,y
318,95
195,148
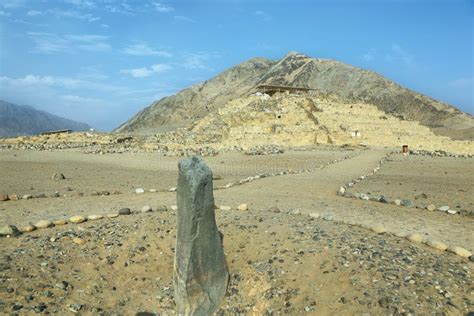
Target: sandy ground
x,y
425,180
280,263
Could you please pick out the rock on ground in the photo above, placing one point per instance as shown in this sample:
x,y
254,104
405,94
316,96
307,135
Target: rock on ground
x,y
9,230
200,269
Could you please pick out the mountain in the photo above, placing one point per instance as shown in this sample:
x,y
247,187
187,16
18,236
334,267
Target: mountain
x,y
326,77
18,120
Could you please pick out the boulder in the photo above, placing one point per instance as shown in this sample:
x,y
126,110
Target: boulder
x,y
58,176
460,251
124,211
77,219
200,269
43,224
146,209
9,230
417,238
243,207
408,203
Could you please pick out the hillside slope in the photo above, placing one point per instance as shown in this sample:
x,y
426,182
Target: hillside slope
x,y
25,120
326,77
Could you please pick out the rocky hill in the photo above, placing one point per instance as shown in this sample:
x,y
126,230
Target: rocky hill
x,y
25,120
326,77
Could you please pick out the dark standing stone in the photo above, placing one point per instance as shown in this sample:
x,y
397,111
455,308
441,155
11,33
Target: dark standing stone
x,y
200,269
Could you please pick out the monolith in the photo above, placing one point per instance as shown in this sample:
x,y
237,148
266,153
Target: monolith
x,y
200,269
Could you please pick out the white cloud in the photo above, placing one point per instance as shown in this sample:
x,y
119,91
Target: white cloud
x,y
263,15
462,82
163,8
12,3
182,18
35,80
74,15
82,3
3,13
199,60
121,8
34,13
50,43
76,100
142,49
146,71
105,26
370,55
398,54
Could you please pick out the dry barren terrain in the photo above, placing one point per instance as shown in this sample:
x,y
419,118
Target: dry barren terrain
x,y
299,248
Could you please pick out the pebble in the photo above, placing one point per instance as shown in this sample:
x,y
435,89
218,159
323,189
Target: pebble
x,y
378,229
139,191
9,230
173,189
124,211
43,224
225,208
436,244
146,209
60,222
78,241
452,212
113,215
397,202
77,219
162,208
153,190
431,207
28,228
58,176
174,208
341,191
94,217
3,197
384,199
55,195
471,258
294,212
13,197
415,238
243,207
444,208
314,215
328,217
459,251
27,197
408,203
274,209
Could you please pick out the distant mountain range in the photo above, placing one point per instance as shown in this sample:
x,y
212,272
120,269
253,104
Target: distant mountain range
x,y
326,77
16,120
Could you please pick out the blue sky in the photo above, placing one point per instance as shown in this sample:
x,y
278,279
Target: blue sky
x,y
101,61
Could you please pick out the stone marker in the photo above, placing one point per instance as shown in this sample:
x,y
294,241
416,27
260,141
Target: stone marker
x,y
200,269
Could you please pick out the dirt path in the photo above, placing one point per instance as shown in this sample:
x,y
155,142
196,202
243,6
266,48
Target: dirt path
x,y
316,192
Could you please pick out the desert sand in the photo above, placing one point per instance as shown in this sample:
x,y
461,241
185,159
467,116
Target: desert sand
x,y
299,248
